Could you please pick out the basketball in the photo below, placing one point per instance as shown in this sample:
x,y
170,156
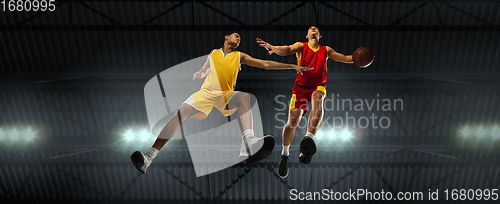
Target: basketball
x,y
363,57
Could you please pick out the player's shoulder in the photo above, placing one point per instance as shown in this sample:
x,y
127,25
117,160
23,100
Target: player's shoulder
x,y
300,43
212,51
328,48
242,54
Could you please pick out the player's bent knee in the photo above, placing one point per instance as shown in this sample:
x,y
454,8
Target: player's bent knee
x,y
292,124
317,107
243,97
317,103
317,98
186,110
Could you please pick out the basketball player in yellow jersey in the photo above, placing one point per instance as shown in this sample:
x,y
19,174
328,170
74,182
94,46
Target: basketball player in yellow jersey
x,y
221,70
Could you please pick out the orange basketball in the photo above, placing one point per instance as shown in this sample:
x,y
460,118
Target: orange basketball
x,y
363,57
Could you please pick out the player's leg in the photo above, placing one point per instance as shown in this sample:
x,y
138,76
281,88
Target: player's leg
x,y
307,145
173,125
142,161
241,102
317,112
294,116
253,148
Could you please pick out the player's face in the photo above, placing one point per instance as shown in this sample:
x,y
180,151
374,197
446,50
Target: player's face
x,y
234,38
313,32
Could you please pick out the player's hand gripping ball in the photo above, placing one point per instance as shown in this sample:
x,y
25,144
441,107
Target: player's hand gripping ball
x,y
363,57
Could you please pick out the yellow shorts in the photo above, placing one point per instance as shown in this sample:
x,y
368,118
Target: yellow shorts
x,y
205,100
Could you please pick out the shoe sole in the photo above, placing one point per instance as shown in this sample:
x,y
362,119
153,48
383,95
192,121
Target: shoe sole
x,y
308,149
287,171
264,152
137,159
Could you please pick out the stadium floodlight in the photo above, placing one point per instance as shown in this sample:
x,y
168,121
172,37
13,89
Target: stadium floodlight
x,y
320,134
345,135
145,135
495,132
466,132
29,134
332,134
325,135
129,135
480,132
14,135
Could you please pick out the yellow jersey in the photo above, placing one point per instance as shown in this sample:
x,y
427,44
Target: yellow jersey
x,y
223,71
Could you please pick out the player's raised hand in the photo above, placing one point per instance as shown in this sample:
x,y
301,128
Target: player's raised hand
x,y
197,75
300,69
266,45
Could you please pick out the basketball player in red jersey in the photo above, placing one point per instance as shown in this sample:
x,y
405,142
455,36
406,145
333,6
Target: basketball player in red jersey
x,y
309,88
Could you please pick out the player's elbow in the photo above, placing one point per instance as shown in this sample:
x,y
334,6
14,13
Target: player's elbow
x,y
265,65
288,51
344,59
347,62
285,51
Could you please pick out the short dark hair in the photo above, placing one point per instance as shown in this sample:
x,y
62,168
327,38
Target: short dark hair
x,y
231,32
313,26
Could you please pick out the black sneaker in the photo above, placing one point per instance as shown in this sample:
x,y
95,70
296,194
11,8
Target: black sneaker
x,y
140,161
307,150
265,150
283,166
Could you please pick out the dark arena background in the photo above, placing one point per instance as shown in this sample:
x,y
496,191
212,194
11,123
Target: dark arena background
x,y
72,100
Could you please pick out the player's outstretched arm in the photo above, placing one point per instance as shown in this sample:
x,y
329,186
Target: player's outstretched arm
x,y
268,64
332,54
281,50
202,73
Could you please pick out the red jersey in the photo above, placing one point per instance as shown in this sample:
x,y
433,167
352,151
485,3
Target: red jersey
x,y
311,58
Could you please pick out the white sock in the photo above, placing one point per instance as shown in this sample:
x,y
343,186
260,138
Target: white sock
x,y
151,154
247,133
309,134
284,151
